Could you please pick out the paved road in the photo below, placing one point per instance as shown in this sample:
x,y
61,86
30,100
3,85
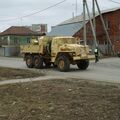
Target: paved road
x,y
106,70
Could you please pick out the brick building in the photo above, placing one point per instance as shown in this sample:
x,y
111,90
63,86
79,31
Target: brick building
x,y
74,27
112,21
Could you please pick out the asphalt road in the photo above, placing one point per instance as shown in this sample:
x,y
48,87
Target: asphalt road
x,y
106,70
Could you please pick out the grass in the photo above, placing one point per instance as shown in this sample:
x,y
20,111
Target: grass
x,y
10,73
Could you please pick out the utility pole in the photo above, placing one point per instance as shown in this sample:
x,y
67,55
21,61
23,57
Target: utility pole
x,y
106,32
84,22
85,7
21,20
93,23
93,30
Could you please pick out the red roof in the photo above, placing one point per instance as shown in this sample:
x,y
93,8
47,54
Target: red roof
x,y
19,30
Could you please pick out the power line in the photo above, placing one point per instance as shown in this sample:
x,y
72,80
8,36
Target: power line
x,y
39,11
44,9
114,1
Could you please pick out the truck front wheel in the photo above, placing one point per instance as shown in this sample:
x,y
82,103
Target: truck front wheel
x,y
38,61
29,61
63,64
83,64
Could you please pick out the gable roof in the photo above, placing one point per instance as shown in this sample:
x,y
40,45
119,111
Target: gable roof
x,y
18,30
65,30
80,17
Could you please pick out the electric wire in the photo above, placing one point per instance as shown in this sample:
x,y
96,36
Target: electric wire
x,y
114,1
39,11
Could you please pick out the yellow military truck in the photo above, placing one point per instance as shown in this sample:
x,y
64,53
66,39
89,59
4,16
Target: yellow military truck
x,y
59,51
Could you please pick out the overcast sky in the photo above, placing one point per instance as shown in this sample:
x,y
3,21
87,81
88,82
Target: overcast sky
x,y
10,9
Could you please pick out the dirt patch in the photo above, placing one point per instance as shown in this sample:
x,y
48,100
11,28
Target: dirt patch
x,y
10,73
60,100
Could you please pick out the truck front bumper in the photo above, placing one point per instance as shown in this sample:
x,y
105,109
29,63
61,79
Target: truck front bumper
x,y
89,57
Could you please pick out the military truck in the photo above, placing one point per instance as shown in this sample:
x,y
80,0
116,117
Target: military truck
x,y
59,51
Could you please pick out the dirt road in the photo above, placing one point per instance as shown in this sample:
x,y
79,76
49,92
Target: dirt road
x,y
106,70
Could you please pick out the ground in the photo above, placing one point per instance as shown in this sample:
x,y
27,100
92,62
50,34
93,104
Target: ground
x,y
75,95
10,73
105,70
71,99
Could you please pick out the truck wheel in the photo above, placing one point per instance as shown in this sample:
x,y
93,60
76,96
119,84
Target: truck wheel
x,y
63,64
29,61
47,63
54,65
38,62
83,64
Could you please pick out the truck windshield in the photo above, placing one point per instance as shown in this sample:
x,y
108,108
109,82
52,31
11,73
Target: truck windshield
x,y
67,41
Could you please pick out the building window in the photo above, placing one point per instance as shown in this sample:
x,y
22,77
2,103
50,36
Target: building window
x,y
16,41
89,30
107,23
28,40
119,25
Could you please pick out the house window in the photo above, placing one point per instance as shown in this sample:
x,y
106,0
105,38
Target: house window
x,y
89,30
15,41
119,26
107,23
28,40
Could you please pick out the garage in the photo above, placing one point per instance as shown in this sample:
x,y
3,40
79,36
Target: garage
x,y
7,51
2,51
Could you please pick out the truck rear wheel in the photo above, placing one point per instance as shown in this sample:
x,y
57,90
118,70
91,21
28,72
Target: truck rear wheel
x,y
29,61
38,61
83,64
63,64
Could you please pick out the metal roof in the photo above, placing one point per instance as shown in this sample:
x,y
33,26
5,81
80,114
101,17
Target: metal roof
x,y
80,17
65,30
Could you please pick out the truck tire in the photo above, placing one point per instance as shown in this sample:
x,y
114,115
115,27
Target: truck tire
x,y
38,61
63,64
83,64
47,63
118,54
29,61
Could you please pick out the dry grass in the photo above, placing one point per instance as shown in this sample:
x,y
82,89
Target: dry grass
x,y
10,73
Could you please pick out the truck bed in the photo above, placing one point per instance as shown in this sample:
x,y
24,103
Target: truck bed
x,y
30,49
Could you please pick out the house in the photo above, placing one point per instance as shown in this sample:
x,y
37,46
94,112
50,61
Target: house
x,y
112,21
13,37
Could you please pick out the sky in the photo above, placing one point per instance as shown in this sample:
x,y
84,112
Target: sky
x,y
11,11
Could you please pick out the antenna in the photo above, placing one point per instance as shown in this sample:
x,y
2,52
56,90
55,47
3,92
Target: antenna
x,y
73,14
21,20
76,8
